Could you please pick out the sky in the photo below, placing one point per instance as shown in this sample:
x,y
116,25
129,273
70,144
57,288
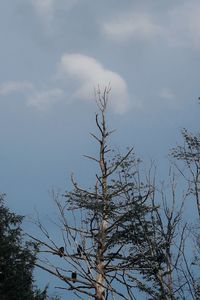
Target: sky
x,y
53,55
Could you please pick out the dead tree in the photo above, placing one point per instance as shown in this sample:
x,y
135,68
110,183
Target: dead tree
x,y
95,221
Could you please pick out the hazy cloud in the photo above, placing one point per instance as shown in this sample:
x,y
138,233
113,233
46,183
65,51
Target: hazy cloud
x,y
39,99
42,100
128,26
15,86
178,25
184,24
89,74
167,94
44,7
47,9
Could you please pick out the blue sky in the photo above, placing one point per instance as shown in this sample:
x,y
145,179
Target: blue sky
x,y
55,52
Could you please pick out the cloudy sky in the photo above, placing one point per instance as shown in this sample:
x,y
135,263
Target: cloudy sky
x,y
54,53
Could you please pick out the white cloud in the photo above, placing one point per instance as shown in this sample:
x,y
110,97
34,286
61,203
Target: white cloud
x,y
179,25
39,99
42,100
87,75
128,26
90,74
15,86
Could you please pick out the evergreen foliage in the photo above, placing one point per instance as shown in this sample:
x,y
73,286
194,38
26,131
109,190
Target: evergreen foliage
x,y
17,259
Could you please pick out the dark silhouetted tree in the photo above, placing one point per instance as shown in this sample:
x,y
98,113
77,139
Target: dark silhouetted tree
x,y
17,259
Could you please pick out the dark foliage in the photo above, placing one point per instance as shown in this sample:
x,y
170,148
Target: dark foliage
x,y
16,259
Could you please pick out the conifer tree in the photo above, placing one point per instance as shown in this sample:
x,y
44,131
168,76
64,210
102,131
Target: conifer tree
x,y
17,259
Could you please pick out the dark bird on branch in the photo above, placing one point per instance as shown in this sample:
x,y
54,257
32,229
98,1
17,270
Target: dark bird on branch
x,y
74,276
79,250
60,252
